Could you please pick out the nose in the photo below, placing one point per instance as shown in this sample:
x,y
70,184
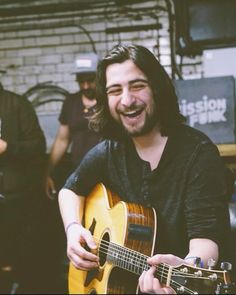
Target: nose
x,y
85,85
127,98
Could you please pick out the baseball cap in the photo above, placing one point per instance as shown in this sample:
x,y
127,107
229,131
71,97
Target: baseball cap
x,y
86,63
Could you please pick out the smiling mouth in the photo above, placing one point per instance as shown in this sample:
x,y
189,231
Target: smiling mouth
x,y
132,113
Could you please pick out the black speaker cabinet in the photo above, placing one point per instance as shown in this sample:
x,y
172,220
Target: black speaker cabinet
x,y
204,24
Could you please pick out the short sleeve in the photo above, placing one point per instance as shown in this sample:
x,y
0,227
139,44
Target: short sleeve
x,y
92,170
63,118
206,202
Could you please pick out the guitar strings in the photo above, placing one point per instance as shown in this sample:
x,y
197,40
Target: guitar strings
x,y
163,275
118,249
144,263
106,245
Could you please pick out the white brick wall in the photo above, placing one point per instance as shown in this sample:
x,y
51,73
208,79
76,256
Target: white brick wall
x,y
37,55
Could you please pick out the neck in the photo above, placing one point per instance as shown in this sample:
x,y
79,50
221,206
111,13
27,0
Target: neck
x,y
150,146
88,103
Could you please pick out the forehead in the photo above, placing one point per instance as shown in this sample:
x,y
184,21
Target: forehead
x,y
120,73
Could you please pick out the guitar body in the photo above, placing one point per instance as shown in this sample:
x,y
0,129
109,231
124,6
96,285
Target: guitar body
x,y
111,220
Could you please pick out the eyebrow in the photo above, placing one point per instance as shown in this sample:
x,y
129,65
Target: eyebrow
x,y
130,82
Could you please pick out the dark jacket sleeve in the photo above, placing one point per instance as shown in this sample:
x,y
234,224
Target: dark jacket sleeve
x,y
25,155
30,140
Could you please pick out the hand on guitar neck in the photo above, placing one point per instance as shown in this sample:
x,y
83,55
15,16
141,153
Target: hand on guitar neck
x,y
79,244
147,281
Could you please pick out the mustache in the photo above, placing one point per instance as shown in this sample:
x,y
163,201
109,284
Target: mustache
x,y
89,93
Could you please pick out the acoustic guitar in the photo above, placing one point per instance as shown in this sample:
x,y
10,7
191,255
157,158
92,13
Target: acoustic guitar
x,y
125,234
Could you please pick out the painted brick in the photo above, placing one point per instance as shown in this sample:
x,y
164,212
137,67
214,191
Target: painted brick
x,y
31,80
6,80
3,53
62,31
68,58
57,77
67,39
44,78
11,43
29,42
30,60
29,70
49,68
66,68
67,49
52,40
26,33
49,59
30,51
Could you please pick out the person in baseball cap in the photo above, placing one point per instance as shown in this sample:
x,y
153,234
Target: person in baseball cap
x,y
73,129
85,71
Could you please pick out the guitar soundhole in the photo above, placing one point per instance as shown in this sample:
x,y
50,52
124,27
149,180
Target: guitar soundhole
x,y
103,248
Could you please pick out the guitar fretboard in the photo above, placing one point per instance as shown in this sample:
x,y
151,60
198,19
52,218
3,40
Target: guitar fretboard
x,y
131,260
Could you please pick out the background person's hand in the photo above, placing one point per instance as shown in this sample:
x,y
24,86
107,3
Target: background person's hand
x,y
3,146
50,188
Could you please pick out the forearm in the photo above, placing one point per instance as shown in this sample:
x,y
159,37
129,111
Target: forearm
x,y
71,206
203,248
58,150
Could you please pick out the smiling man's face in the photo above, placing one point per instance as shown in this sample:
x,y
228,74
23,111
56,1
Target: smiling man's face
x,y
130,98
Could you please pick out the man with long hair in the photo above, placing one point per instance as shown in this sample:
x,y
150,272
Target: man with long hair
x,y
150,157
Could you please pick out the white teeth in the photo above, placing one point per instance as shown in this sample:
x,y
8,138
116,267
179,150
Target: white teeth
x,y
130,113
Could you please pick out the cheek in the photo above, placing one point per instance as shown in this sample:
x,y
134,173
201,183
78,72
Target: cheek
x,y
92,85
112,105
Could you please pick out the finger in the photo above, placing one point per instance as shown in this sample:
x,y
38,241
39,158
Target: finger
x,y
80,263
165,258
87,255
82,253
141,281
158,289
50,195
88,238
152,285
146,282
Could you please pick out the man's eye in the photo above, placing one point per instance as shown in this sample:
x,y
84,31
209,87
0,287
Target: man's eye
x,y
138,86
115,91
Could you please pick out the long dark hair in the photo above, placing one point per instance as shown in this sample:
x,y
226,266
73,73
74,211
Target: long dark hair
x,y
163,90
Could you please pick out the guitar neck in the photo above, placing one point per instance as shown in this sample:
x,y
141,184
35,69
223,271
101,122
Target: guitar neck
x,y
135,262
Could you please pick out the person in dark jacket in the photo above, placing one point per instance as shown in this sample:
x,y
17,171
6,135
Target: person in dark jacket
x,y
22,147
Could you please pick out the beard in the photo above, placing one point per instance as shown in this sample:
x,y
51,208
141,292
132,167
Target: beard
x,y
90,93
150,121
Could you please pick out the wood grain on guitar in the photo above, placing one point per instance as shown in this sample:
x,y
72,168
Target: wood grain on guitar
x,y
125,234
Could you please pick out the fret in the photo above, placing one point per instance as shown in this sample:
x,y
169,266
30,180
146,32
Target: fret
x,y
132,261
168,280
126,259
162,275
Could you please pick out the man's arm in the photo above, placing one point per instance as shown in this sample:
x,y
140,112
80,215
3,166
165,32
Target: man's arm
x,y
59,146
72,208
203,248
58,149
